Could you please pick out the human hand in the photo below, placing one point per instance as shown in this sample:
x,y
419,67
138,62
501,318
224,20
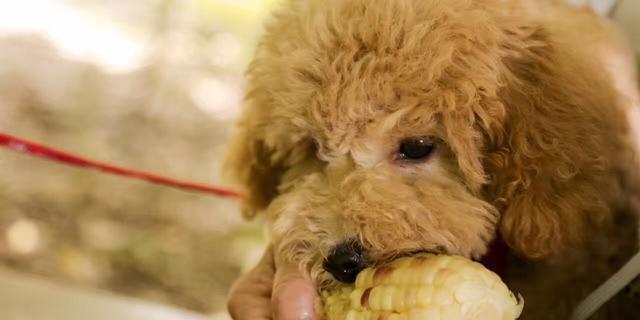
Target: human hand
x,y
273,291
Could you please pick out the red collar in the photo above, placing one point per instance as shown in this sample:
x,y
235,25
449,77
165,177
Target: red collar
x,y
496,258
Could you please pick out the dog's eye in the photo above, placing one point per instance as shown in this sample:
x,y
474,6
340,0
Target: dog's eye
x,y
415,149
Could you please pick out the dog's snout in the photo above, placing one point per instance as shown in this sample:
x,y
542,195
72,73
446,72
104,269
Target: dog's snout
x,y
345,261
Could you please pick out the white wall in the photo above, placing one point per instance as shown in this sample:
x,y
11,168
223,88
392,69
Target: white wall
x,y
601,6
628,15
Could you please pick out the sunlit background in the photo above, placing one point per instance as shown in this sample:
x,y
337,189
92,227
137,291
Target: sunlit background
x,y
152,85
147,84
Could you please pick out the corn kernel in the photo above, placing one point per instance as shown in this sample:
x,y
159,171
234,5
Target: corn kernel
x,y
424,287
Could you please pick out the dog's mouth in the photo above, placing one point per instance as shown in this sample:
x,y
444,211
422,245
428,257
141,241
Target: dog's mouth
x,y
495,259
385,259
347,259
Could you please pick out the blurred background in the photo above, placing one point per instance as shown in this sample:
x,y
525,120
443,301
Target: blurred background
x,y
146,84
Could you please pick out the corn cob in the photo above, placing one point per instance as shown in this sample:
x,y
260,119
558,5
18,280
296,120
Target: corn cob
x,y
426,287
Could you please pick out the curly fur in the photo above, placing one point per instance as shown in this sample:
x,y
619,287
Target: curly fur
x,y
532,138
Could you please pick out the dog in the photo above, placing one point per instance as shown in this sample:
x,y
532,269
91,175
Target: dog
x,y
375,129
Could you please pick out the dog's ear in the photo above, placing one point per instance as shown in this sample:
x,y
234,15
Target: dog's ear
x,y
552,169
251,164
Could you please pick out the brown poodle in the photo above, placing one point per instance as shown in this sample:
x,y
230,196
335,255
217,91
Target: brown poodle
x,y
380,128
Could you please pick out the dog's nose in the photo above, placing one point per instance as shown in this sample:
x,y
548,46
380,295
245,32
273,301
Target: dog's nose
x,y
345,261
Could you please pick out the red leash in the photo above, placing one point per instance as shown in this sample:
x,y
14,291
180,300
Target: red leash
x,y
45,152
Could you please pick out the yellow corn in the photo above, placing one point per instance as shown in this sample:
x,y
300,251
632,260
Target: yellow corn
x,y
426,287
